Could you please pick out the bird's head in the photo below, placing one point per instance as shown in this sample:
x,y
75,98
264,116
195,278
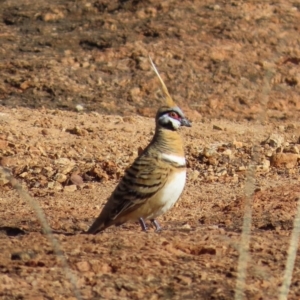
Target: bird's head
x,y
169,116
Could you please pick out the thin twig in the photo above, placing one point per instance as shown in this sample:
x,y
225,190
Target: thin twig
x,y
292,253
244,255
246,234
47,230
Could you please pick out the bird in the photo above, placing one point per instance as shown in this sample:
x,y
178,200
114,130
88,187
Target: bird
x,y
156,179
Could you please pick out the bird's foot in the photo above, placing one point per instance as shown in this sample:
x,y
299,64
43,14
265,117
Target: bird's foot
x,y
156,224
143,224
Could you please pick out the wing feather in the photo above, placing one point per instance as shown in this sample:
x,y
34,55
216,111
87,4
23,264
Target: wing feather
x,y
138,185
143,179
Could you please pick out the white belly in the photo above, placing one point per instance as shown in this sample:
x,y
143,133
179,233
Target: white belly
x,y
169,195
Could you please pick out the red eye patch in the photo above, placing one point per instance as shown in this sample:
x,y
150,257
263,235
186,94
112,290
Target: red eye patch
x,y
174,115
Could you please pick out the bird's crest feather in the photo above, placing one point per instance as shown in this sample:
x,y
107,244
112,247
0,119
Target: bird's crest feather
x,y
168,98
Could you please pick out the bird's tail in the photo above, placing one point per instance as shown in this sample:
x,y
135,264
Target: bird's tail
x,y
98,225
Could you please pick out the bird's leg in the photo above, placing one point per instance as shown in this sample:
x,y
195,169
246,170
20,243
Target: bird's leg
x,y
156,224
143,224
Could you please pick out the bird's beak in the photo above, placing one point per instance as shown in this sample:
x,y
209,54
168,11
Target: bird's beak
x,y
185,122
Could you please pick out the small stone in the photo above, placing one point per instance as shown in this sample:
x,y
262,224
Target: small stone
x,y
217,127
70,188
83,266
186,226
265,166
59,177
217,56
106,268
62,161
222,172
79,107
57,186
287,160
237,144
24,174
227,152
274,140
3,144
8,161
128,119
42,150
3,180
235,178
184,279
127,128
24,255
269,153
44,131
209,152
291,149
50,185
213,161
36,170
66,169
65,165
241,168
53,16
195,175
34,151
291,126
48,171
143,64
211,178
25,85
77,131
134,94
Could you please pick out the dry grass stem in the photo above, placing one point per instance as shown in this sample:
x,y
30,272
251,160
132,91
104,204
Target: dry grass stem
x,y
292,253
249,192
46,228
246,234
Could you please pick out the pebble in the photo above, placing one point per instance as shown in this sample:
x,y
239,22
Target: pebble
x,y
287,160
274,140
70,188
217,127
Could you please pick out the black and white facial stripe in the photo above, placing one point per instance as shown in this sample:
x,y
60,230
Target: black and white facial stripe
x,y
172,118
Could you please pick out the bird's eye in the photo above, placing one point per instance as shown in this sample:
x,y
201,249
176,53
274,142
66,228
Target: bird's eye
x,y
173,115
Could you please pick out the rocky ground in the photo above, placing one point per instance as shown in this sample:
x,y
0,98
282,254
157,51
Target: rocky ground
x,y
78,98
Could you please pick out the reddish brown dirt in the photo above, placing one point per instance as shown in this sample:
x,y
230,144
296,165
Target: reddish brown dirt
x,y
233,67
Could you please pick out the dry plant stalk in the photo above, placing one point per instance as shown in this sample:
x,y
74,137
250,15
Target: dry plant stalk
x,y
246,234
292,253
244,255
6,173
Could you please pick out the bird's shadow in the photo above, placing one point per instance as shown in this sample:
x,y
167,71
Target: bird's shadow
x,y
16,231
12,231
